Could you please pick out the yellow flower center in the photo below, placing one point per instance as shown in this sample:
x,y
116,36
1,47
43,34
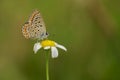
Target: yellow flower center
x,y
47,43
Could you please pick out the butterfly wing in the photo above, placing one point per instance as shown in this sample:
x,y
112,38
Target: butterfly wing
x,y
25,30
35,28
38,29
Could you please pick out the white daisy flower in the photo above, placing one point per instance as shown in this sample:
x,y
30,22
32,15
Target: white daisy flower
x,y
48,44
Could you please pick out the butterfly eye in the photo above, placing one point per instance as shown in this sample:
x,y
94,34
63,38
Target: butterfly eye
x,y
47,33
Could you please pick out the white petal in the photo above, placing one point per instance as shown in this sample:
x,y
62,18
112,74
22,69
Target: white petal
x,y
60,46
54,52
47,47
36,47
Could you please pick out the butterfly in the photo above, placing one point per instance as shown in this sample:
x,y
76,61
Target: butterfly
x,y
35,28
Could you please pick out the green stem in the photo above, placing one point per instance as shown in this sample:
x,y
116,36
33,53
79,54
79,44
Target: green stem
x,y
47,65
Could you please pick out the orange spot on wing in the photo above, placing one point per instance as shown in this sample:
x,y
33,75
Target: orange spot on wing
x,y
25,32
33,15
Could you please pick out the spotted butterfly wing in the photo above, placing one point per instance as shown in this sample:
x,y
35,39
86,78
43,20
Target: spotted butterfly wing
x,y
35,27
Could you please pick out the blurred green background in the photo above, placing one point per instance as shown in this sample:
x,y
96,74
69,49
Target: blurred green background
x,y
89,29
